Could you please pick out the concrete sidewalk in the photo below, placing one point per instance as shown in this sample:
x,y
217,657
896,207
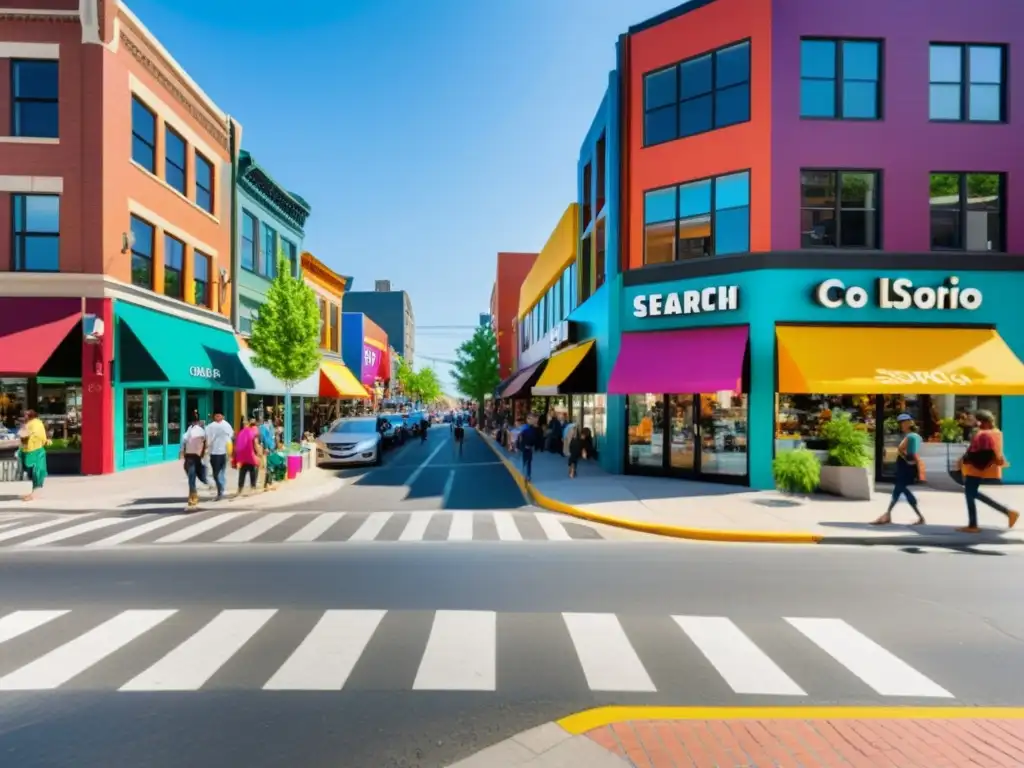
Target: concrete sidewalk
x,y
158,487
712,512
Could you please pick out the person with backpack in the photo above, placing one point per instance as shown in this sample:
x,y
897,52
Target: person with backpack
x,y
193,448
983,464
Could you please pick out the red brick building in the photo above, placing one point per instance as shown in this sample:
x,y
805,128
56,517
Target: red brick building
x,y
512,270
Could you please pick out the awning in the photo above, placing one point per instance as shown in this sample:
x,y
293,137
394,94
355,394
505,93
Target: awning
x,y
692,360
157,347
569,371
32,329
264,382
336,380
523,381
501,386
878,360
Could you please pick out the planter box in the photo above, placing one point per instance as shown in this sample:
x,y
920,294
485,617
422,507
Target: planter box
x,y
64,462
848,482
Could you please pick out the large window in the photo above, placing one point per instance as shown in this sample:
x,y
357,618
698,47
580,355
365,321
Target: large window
x,y
967,83
967,211
335,340
268,251
840,79
143,135
250,251
839,209
291,254
601,175
134,420
710,217
201,279
142,253
34,102
155,416
703,93
175,150
174,263
599,253
586,267
204,183
36,228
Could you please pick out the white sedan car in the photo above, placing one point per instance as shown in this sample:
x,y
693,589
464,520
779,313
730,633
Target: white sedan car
x,y
350,441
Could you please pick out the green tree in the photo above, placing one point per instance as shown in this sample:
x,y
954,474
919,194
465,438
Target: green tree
x,y
286,334
426,386
476,366
405,376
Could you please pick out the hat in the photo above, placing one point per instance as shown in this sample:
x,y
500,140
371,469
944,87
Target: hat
x,y
904,417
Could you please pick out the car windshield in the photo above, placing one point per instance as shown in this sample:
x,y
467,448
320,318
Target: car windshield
x,y
394,418
362,426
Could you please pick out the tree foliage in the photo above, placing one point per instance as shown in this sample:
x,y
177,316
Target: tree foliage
x,y
404,375
476,365
426,386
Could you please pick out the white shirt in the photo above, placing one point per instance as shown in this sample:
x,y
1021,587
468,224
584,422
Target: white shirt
x,y
218,435
191,441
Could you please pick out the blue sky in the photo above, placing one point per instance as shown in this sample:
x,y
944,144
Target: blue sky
x,y
426,134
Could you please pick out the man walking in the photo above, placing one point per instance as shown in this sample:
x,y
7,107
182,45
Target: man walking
x,y
218,435
193,446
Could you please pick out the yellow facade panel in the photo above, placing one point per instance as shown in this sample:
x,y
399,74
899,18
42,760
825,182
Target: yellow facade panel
x,y
558,253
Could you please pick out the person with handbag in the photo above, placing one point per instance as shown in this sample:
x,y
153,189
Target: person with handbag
x,y
32,451
983,464
909,468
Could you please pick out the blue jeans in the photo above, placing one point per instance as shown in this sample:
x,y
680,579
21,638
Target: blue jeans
x,y
219,464
973,494
905,475
528,463
194,469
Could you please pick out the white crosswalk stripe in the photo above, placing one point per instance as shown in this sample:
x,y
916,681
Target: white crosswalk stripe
x,y
256,528
416,528
199,528
506,525
16,532
136,531
68,533
461,651
462,527
551,526
317,527
374,524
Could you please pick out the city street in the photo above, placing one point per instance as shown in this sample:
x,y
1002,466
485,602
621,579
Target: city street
x,y
397,653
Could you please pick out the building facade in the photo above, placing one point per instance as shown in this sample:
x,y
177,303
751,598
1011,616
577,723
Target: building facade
x,y
392,311
512,269
366,352
117,204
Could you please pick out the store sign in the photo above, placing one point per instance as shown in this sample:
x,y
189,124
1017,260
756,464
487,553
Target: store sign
x,y
722,298
885,376
898,294
369,357
199,372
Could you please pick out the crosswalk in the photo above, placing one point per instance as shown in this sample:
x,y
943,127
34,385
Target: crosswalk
x,y
99,531
269,649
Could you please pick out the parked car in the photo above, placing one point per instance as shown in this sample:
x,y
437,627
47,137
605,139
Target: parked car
x,y
350,441
393,429
418,422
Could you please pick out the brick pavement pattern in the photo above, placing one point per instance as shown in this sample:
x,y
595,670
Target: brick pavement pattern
x,y
820,743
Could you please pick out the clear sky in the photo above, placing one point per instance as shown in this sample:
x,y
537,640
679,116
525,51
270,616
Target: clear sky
x,y
427,135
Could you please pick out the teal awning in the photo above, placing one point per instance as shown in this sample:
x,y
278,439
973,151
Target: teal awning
x,y
264,382
156,347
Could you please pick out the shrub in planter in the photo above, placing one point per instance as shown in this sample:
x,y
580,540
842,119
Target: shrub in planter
x,y
797,472
847,445
950,431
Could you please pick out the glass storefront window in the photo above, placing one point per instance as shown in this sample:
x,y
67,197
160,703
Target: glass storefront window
x,y
134,424
60,408
723,434
13,400
155,416
646,430
173,418
682,434
799,418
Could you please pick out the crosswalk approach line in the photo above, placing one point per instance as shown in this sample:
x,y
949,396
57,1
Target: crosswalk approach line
x,y
884,672
416,528
553,529
199,528
75,530
506,526
18,623
609,661
16,532
136,531
74,657
316,527
744,666
196,660
328,654
256,528
461,653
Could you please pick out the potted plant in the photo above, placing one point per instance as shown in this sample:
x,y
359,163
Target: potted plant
x,y
797,472
951,431
64,456
846,473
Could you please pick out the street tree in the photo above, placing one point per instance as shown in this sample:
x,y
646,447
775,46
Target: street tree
x,y
476,366
427,386
405,376
286,333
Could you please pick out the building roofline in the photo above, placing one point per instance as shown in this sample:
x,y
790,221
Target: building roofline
x,y
671,13
321,272
251,175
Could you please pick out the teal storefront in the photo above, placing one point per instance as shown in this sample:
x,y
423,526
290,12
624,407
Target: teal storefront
x,y
718,373
167,368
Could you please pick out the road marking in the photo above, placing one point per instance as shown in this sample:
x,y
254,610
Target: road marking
x,y
137,531
328,654
371,527
191,531
13,534
605,653
462,525
20,622
553,529
460,653
419,470
195,661
881,670
316,527
10,524
448,485
744,666
416,528
507,528
256,528
65,662
74,530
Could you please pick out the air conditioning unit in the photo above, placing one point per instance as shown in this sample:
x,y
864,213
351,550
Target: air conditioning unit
x,y
382,286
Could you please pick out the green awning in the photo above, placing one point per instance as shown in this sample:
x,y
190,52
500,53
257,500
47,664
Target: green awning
x,y
159,348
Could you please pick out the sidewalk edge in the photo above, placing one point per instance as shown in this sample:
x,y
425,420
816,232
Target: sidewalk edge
x,y
673,531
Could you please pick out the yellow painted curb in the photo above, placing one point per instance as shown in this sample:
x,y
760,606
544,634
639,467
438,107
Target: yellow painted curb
x,y
532,495
589,719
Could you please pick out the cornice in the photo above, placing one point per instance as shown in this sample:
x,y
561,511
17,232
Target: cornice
x,y
54,17
257,182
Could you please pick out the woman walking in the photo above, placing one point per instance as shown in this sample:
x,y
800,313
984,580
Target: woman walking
x,y
983,464
32,452
908,469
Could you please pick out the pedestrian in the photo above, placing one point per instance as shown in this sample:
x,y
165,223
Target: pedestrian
x,y
193,448
32,451
267,438
460,435
529,437
983,465
247,455
219,435
909,467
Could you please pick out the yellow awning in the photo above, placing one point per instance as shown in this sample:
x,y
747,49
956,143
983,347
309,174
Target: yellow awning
x,y
336,380
560,367
878,360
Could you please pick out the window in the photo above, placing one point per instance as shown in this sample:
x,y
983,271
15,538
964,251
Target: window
x,y
36,228
143,135
174,263
573,281
204,183
250,255
142,253
291,254
268,250
34,107
323,323
707,92
201,278
967,83
967,211
134,420
586,268
335,340
154,417
599,251
174,154
709,217
588,183
840,79
839,209
601,178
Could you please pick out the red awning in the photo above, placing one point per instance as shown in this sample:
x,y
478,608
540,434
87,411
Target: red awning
x,y
521,385
31,330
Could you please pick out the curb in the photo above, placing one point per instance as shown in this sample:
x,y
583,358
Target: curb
x,y
532,495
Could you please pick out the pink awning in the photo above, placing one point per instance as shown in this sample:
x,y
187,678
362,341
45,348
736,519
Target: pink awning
x,y
692,360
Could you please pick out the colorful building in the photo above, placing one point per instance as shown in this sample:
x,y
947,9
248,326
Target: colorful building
x,y
512,269
392,311
365,351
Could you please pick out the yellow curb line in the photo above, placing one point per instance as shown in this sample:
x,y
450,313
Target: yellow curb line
x,y
589,719
532,495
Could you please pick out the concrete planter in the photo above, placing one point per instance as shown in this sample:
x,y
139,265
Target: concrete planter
x,y
847,482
